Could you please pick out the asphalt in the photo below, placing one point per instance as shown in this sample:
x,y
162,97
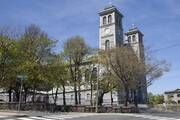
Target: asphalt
x,y
34,115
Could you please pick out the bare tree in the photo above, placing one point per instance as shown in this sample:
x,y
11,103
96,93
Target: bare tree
x,y
130,71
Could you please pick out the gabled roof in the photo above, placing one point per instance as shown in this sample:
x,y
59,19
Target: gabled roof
x,y
174,91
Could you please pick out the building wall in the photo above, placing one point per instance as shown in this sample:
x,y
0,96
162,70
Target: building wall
x,y
172,97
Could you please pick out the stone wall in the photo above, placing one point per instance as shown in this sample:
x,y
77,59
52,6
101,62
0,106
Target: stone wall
x,y
69,108
170,107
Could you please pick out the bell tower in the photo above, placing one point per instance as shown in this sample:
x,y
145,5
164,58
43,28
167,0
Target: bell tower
x,y
135,40
110,29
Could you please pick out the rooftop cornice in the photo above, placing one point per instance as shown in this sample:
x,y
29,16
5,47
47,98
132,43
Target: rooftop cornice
x,y
110,9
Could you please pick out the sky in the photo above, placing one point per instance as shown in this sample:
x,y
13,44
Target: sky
x,y
159,21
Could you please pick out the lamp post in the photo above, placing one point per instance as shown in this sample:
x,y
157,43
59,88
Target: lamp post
x,y
97,89
21,77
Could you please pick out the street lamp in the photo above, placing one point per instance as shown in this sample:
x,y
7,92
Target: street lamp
x,y
21,77
97,89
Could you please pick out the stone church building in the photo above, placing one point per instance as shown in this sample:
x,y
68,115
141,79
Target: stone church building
x,y
111,34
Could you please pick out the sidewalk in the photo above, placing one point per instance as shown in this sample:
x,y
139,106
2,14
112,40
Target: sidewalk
x,y
22,113
11,113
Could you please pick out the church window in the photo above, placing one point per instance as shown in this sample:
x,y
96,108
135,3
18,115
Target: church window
x,y
94,73
88,96
107,44
87,75
134,38
104,20
129,39
109,19
72,97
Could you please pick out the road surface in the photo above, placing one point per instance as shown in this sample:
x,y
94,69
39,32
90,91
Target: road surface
x,y
90,116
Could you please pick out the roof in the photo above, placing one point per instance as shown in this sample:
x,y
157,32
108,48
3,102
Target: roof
x,y
133,30
110,9
174,91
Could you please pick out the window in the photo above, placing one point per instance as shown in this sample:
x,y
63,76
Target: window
x,y
134,38
88,96
107,44
104,20
87,75
178,95
109,19
94,73
129,39
72,97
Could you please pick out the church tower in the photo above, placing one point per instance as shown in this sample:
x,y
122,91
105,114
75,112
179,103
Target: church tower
x,y
134,38
110,29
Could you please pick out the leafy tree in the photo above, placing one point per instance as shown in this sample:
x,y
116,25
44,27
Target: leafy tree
x,y
75,50
35,47
155,99
57,75
8,60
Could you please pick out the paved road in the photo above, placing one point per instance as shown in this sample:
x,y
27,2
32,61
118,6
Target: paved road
x,y
92,116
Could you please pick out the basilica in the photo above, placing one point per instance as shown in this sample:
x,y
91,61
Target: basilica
x,y
111,35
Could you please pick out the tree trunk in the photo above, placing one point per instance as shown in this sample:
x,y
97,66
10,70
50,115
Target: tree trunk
x,y
79,85
10,91
91,93
126,96
25,95
64,96
111,98
75,87
135,98
79,91
100,98
75,93
55,99
33,97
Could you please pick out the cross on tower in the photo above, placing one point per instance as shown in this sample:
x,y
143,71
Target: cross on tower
x,y
110,2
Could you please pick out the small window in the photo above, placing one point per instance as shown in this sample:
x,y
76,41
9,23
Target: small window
x,y
87,75
72,97
104,20
134,38
88,96
129,38
178,95
107,45
109,19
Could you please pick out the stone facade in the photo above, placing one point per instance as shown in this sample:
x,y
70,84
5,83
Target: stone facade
x,y
172,96
110,35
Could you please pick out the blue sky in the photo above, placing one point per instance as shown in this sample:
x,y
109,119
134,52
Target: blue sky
x,y
159,20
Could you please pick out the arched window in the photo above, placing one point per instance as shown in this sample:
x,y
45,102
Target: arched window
x,y
104,20
134,38
94,73
107,44
129,38
72,97
88,96
109,19
87,75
